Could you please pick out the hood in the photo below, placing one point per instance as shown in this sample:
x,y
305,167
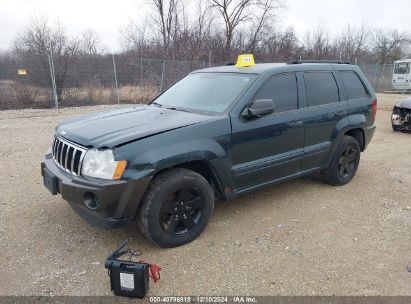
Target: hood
x,y
113,128
405,103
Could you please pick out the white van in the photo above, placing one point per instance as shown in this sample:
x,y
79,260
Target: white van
x,y
401,78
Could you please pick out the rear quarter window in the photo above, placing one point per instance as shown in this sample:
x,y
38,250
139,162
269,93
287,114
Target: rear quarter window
x,y
321,88
353,85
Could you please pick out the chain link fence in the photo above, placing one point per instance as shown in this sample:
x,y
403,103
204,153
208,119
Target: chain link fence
x,y
380,76
58,81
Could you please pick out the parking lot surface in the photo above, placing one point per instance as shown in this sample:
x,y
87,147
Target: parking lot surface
x,y
302,237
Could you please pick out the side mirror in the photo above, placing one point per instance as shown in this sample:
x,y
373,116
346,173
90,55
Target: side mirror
x,y
259,107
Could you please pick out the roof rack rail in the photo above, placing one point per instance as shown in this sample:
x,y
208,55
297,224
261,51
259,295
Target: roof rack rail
x,y
319,61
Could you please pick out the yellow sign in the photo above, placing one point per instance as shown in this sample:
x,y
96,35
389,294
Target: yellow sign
x,y
21,72
245,60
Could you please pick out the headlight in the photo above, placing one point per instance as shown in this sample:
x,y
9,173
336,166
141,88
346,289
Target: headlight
x,y
101,164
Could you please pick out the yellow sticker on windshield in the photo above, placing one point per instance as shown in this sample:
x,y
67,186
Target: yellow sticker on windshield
x,y
245,60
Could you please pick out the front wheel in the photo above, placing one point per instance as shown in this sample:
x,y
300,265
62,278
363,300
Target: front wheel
x,y
176,208
344,164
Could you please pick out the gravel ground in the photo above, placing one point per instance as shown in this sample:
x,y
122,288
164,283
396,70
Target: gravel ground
x,y
303,237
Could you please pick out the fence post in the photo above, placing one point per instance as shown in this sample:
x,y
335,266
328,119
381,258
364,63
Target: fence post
x,y
162,77
115,79
381,77
53,80
141,65
375,75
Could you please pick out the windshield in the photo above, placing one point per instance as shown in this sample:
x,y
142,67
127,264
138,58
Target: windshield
x,y
401,68
212,92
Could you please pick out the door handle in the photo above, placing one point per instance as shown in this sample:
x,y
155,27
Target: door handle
x,y
294,124
341,114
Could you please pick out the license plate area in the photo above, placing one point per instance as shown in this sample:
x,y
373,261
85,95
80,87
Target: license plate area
x,y
50,181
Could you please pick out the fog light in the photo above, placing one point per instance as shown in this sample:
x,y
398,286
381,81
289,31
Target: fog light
x,y
91,201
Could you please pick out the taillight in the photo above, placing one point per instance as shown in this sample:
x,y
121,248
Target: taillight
x,y
374,110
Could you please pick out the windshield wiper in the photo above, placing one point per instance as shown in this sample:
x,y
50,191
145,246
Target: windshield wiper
x,y
157,104
177,109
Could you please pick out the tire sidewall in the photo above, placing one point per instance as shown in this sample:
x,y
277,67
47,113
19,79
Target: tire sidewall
x,y
347,141
157,233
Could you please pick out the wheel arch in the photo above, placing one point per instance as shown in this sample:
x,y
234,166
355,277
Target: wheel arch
x,y
358,134
205,169
345,127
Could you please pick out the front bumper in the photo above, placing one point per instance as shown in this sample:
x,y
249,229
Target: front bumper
x,y
115,202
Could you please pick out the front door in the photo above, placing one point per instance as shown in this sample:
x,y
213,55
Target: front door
x,y
270,147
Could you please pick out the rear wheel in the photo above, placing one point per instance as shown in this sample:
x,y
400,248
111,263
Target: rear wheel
x,y
344,164
176,208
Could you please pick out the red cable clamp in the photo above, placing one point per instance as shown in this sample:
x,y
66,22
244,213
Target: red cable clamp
x,y
154,270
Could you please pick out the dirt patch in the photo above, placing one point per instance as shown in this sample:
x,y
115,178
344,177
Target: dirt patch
x,y
303,237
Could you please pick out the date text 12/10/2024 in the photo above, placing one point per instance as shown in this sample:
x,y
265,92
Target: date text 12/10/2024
x,y
203,299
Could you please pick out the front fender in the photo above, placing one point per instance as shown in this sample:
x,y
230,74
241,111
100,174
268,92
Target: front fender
x,y
204,142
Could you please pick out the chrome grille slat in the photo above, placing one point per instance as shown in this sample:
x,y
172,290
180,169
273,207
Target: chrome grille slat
x,y
61,153
55,146
59,150
72,159
67,155
80,162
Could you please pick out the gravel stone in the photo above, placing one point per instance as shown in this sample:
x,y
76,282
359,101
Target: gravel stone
x,y
47,249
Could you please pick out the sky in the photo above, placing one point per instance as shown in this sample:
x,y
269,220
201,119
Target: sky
x,y
107,17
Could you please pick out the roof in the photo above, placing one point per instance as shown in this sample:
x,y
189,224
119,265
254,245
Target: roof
x,y
256,69
402,60
264,67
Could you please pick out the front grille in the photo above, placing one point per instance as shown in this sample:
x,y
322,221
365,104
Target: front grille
x,y
68,156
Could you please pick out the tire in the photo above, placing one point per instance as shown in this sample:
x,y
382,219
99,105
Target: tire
x,y
344,163
396,128
176,208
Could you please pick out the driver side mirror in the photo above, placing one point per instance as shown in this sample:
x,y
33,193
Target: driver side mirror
x,y
259,108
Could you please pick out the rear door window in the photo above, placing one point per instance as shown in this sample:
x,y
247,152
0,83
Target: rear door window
x,y
353,85
282,89
321,88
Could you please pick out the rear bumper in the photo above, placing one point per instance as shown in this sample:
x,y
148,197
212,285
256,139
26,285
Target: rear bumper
x,y
114,202
369,133
402,85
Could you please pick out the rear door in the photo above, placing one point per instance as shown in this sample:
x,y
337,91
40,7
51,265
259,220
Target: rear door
x,y
270,147
326,106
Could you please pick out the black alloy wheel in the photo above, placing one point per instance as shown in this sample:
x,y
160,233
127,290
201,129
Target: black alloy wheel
x,y
181,211
176,207
346,163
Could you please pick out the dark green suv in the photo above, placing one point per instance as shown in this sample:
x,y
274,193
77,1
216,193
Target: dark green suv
x,y
217,133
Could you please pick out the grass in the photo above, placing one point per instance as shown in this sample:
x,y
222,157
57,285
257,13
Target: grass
x,y
15,95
